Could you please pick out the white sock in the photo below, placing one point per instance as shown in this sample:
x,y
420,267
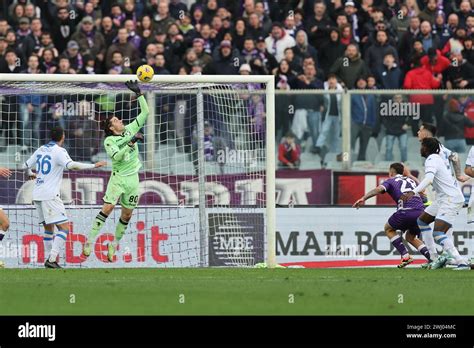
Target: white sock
x,y
58,243
428,239
47,242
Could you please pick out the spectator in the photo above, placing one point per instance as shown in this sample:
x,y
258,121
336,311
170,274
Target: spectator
x,y
456,42
328,140
406,44
64,66
226,61
90,41
401,22
464,12
48,62
278,41
3,50
133,38
198,47
375,54
214,147
255,29
468,51
186,27
239,34
428,39
177,9
23,31
92,10
117,15
455,124
47,43
129,52
89,67
429,12
108,31
268,60
346,35
319,25
294,66
421,78
4,27
162,19
350,67
351,12
130,11
413,9
249,52
460,74
31,107
396,128
83,135
75,58
303,49
32,42
12,64
289,152
308,107
363,112
332,50
160,65
263,18
62,27
119,65
389,75
441,29
435,62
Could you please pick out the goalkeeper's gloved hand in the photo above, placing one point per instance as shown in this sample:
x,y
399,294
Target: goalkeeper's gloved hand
x,y
133,86
136,137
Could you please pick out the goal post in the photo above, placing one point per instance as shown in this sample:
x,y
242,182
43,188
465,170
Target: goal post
x,y
208,176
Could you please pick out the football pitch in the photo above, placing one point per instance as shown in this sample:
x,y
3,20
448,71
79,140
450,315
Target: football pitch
x,y
411,291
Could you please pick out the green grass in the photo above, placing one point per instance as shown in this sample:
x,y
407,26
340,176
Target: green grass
x,y
236,291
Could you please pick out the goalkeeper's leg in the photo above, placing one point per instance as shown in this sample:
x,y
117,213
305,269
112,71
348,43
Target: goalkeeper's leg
x,y
112,194
97,226
128,201
122,225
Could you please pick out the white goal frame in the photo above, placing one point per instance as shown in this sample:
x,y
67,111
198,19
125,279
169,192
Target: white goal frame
x,y
268,80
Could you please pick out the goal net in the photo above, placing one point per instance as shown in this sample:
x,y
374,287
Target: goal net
x,y
206,185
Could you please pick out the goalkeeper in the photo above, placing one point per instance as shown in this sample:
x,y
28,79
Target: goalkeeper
x,y
120,144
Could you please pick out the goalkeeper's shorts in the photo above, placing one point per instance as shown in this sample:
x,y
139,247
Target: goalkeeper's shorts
x,y
125,188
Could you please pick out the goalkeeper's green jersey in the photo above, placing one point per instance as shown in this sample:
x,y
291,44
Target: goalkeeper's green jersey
x,y
125,159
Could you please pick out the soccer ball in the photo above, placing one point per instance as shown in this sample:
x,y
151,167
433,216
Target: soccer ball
x,y
145,73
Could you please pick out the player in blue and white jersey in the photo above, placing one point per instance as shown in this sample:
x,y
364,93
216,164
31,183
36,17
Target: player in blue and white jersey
x,y
449,201
49,162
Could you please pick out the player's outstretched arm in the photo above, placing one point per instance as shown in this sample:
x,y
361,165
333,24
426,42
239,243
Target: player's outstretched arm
x,y
81,166
376,191
140,120
456,163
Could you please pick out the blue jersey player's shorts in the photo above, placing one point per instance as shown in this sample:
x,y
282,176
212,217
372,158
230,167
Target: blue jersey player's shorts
x,y
404,220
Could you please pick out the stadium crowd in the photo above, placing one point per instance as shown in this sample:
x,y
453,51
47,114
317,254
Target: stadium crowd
x,y
306,44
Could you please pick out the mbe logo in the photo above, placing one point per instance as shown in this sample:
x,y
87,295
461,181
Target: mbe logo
x,y
37,331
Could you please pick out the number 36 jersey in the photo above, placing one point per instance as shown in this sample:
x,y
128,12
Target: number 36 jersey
x,y
49,162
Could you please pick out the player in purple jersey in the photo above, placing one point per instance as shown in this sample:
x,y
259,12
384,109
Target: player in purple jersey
x,y
405,218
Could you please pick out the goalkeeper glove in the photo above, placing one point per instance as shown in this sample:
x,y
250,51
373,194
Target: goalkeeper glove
x,y
133,86
136,137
